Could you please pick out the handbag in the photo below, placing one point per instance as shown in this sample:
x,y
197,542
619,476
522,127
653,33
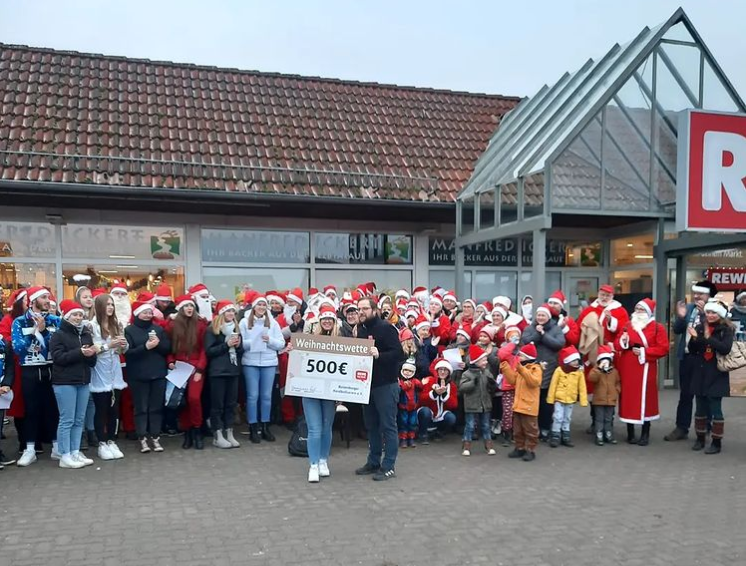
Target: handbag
x,y
733,360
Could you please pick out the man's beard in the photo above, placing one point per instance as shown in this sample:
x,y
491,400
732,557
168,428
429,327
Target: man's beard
x,y
204,307
122,308
639,320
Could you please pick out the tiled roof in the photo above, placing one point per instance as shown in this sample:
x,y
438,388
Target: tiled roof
x,y
83,118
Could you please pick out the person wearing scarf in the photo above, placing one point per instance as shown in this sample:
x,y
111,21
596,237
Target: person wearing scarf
x,y
224,349
73,355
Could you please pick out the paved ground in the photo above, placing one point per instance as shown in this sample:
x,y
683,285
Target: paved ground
x,y
659,505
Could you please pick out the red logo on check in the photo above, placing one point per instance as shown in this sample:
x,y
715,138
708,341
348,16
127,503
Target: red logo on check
x,y
361,375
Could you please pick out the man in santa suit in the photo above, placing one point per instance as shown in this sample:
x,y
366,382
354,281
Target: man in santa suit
x,y
570,328
201,297
511,318
122,305
641,343
123,310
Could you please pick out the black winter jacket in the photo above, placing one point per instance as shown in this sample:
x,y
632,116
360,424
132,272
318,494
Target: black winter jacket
x,y
218,356
706,379
69,365
7,364
386,339
144,364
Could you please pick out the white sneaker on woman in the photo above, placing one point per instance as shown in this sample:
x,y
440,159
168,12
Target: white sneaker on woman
x,y
67,461
114,449
313,473
324,469
144,448
157,444
78,455
104,452
231,439
27,458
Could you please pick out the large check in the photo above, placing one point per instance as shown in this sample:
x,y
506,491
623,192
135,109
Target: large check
x,y
330,367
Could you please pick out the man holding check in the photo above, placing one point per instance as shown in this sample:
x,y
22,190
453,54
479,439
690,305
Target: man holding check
x,y
380,412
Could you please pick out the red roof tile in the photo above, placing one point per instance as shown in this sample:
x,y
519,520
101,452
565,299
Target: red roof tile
x,y
74,117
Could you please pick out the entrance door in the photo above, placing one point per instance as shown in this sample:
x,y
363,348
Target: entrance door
x,y
581,291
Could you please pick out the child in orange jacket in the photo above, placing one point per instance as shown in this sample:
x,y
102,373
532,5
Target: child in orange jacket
x,y
526,377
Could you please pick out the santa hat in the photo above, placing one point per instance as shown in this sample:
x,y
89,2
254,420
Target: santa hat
x,y
512,330
714,305
707,287
489,330
464,330
98,291
312,292
140,306
146,297
383,299
445,364
401,305
259,298
557,297
529,351
648,305
356,295
604,353
250,296
500,310
118,289
327,312
17,295
349,307
450,295
471,302
606,289
310,316
52,299
487,306
476,353
296,295
401,294
275,296
405,334
740,296
37,292
409,364
569,354
330,289
503,301
546,309
411,313
183,301
421,322
224,306
164,293
371,288
436,300
69,307
419,291
198,289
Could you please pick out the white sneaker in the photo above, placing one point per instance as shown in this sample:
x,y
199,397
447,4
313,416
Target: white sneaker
x,y
78,455
157,444
324,469
55,455
104,452
491,452
67,461
27,458
232,439
466,452
313,474
144,448
114,449
219,440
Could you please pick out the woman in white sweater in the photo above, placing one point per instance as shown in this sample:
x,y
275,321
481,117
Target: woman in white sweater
x,y
262,339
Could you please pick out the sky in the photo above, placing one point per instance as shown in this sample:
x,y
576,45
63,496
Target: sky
x,y
496,47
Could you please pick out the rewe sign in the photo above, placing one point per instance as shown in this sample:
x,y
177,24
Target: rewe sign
x,y
711,173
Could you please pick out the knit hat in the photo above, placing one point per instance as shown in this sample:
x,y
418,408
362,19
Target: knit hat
x,y
443,363
529,351
489,330
164,293
546,309
476,353
707,287
405,334
327,311
604,353
224,306
714,305
569,354
421,322
183,301
140,306
648,305
37,292
740,296
69,307
296,295
409,364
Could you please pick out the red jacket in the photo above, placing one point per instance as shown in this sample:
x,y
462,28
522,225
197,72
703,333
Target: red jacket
x,y
441,327
409,394
197,356
438,404
571,330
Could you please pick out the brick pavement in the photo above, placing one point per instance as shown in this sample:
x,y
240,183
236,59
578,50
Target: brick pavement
x,y
652,506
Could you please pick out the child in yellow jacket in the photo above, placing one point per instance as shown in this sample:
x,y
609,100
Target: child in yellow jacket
x,y
526,377
566,389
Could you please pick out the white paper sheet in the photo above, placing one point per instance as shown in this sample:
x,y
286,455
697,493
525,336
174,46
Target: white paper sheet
x,y
453,356
6,400
256,344
180,374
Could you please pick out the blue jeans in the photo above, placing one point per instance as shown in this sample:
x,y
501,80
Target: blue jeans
x,y
72,401
90,414
484,423
425,417
407,422
562,416
380,420
259,382
319,418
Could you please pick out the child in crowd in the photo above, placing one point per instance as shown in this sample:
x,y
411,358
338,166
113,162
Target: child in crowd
x,y
409,398
566,388
438,402
477,385
508,352
606,387
526,377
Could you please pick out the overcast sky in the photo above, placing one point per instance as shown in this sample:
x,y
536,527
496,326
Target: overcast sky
x,y
498,47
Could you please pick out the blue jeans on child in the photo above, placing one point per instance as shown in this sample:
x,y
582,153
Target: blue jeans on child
x,y
259,383
562,416
484,423
407,421
319,418
72,401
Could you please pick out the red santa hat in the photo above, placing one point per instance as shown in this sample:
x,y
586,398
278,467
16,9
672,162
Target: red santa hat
x,y
439,292
569,354
52,298
471,302
383,298
224,306
296,295
401,305
164,293
275,296
405,334
604,353
546,309
312,292
183,301
327,311
529,351
436,300
310,316
558,297
648,305
356,295
450,295
606,289
443,364
489,331
401,294
370,288
420,290
464,330
487,305
198,289
411,313
476,353
503,301
146,297
69,307
349,307
118,289
259,298
421,322
37,292
98,291
17,295
139,307
250,296
330,289
500,310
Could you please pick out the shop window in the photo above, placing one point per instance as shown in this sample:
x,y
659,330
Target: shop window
x,y
634,282
389,280
552,282
91,241
363,249
17,275
565,254
27,239
489,284
255,246
227,282
137,278
632,251
446,278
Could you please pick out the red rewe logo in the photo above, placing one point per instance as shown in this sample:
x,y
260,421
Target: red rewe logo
x,y
711,187
361,375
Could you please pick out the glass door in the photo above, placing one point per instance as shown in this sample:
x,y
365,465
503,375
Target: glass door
x,y
581,291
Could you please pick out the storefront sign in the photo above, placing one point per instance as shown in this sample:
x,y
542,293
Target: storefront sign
x,y
330,367
496,253
711,195
727,279
255,246
90,241
366,249
27,239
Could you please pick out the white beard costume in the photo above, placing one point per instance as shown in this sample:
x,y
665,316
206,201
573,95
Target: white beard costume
x,y
204,306
122,308
639,320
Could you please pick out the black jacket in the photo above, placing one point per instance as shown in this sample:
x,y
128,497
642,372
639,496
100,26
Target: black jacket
x,y
386,339
218,356
69,365
426,353
144,364
7,364
706,379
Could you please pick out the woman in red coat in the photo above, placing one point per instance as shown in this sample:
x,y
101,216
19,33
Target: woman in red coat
x,y
187,333
438,401
641,344
17,407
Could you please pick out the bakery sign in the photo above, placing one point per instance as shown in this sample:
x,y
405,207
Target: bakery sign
x,y
92,241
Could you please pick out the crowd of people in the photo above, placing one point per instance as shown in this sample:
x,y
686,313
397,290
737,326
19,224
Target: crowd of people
x,y
94,369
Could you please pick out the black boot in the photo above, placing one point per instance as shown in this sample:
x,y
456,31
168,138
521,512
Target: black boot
x,y
199,441
188,439
644,435
566,441
266,433
699,444
631,434
254,433
554,441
